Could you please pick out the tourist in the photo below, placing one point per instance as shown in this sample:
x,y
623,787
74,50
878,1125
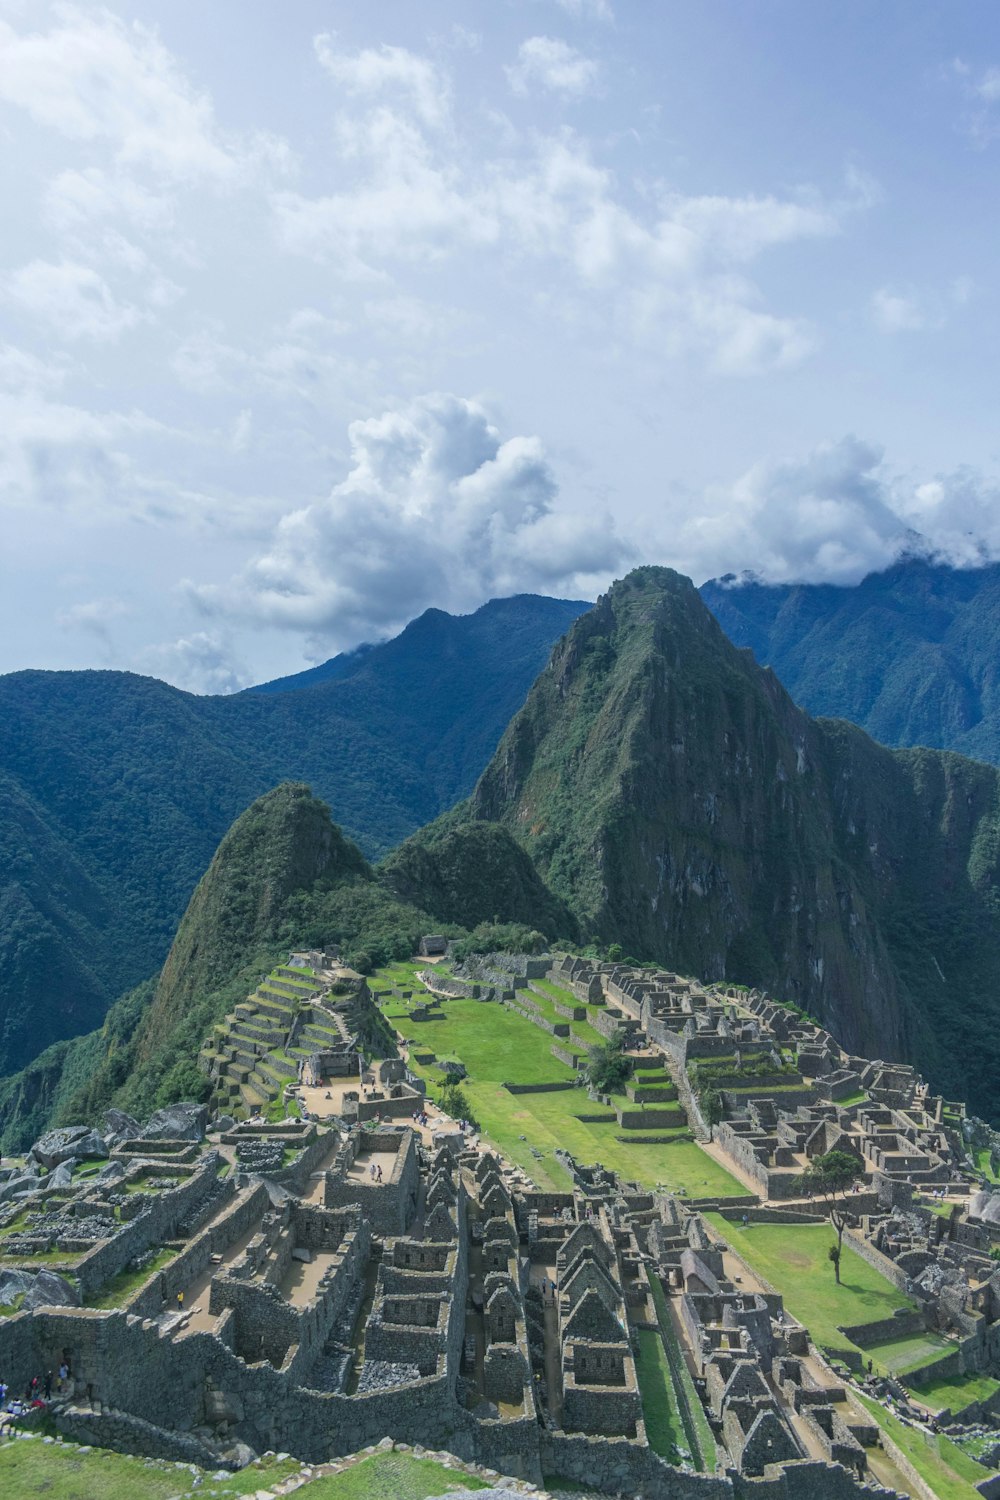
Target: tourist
x,y
180,1301
63,1376
48,1385
3,1394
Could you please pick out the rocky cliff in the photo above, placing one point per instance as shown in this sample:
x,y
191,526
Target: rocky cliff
x,y
670,791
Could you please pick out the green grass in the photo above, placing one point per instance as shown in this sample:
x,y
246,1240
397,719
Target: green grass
x,y
497,1045
556,992
390,1476
951,1474
122,1287
59,1471
956,1391
661,1413
699,1434
982,1160
904,1356
793,1258
850,1099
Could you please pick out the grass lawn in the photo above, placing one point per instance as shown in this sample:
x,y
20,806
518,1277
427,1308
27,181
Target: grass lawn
x,y
59,1471
956,1392
390,1476
664,1426
904,1356
982,1160
121,1287
497,1045
951,1474
793,1258
700,1441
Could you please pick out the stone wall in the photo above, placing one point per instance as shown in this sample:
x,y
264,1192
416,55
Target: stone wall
x,y
149,1229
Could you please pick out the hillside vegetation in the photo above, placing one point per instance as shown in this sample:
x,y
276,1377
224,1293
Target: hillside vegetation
x,y
115,790
284,876
673,796
911,654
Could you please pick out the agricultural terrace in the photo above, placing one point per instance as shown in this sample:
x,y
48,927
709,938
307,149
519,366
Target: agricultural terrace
x,y
949,1472
497,1045
795,1259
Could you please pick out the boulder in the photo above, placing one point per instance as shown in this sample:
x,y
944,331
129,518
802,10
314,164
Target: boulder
x,y
118,1127
223,1123
301,1253
51,1290
61,1176
178,1122
111,1173
14,1284
73,1140
22,1182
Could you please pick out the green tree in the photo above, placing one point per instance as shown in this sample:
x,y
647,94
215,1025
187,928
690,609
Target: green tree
x,y
607,1067
712,1109
455,1102
829,1177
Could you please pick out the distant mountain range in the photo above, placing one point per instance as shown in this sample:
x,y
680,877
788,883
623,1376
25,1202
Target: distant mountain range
x,y
911,654
658,789
115,789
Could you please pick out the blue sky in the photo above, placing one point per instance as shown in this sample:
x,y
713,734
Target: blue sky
x,y
314,315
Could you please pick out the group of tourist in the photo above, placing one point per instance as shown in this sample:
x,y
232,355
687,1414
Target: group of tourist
x,y
37,1393
375,1172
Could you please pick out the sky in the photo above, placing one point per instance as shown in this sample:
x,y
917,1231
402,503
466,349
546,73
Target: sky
x,y
316,315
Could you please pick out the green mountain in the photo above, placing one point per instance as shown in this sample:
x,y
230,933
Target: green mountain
x,y
911,654
284,876
115,789
672,794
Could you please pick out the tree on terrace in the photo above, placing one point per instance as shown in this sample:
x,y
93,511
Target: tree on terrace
x,y
829,1177
607,1066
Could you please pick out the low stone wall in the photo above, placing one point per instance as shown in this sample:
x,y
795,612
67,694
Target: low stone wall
x,y
888,1268
656,1118
905,1324
125,1434
556,1087
571,1059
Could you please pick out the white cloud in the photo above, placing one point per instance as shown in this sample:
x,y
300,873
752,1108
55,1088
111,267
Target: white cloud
x,y
596,10
895,312
911,311
981,90
670,271
91,76
95,616
74,300
202,662
835,515
551,64
78,198
375,72
436,509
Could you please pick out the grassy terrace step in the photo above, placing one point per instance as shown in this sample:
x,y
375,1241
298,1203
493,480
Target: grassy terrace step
x,y
499,1045
252,1097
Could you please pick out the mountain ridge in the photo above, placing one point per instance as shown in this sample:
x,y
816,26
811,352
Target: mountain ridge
x,y
910,653
115,790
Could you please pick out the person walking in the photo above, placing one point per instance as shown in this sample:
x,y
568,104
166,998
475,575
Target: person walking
x,y
48,1385
180,1301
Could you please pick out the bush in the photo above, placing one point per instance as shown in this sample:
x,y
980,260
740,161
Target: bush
x,y
607,1067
